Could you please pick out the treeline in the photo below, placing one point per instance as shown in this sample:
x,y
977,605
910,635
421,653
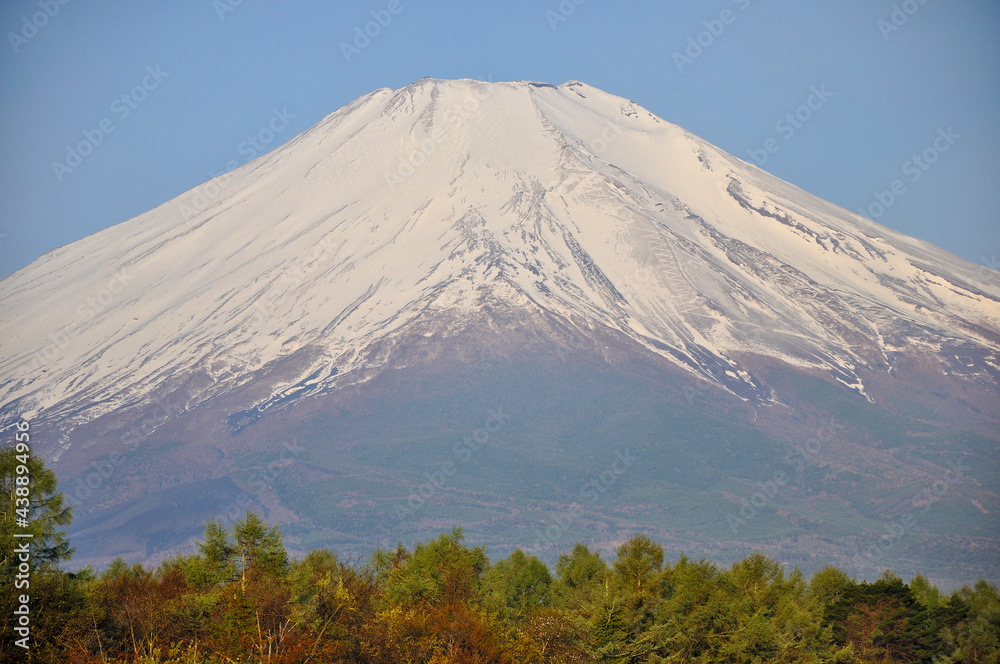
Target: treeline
x,y
241,599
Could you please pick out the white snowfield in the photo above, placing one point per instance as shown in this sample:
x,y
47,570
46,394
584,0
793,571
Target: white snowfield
x,y
435,197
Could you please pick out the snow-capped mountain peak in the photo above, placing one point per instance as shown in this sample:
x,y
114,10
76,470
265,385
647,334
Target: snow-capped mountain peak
x,y
410,209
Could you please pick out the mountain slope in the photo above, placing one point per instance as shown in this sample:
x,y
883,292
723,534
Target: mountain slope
x,y
447,215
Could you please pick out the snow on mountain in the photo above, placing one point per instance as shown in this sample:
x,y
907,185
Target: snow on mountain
x,y
427,201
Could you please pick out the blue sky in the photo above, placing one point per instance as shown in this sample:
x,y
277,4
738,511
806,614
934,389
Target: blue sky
x,y
168,93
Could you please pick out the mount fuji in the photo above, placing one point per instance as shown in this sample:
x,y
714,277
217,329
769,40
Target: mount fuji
x,y
539,312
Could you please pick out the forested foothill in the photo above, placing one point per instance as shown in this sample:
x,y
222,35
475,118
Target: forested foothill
x,y
242,599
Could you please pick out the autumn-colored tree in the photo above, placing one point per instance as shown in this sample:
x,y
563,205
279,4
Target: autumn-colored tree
x,y
62,627
554,637
884,623
241,600
135,606
333,604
